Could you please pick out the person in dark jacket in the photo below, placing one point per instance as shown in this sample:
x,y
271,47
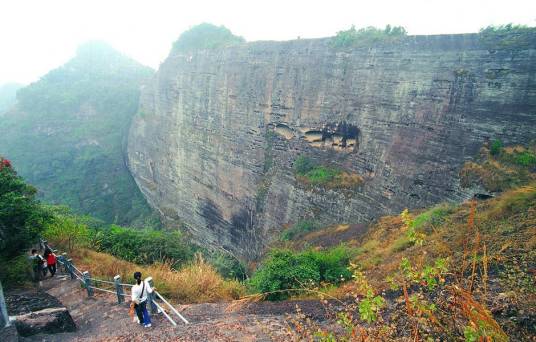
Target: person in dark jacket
x,y
38,263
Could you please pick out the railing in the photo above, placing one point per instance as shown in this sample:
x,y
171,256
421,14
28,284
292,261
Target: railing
x,y
90,283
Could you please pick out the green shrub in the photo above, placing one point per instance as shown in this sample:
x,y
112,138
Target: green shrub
x,y
303,164
368,35
525,158
333,264
299,229
313,173
285,270
206,36
496,147
322,175
144,246
15,271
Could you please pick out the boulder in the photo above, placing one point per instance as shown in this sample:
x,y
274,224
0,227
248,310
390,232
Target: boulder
x,y
48,321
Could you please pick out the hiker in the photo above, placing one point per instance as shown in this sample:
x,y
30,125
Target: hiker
x,y
37,265
50,257
139,298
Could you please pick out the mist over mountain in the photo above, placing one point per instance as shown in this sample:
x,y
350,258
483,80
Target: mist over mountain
x,y
66,135
8,93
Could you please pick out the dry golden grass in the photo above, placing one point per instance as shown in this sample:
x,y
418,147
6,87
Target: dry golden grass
x,y
502,223
346,180
197,282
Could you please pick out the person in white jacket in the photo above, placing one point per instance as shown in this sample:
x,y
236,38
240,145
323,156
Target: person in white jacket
x,y
139,296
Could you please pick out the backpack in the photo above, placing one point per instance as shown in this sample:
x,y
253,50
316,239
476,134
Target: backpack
x,y
39,260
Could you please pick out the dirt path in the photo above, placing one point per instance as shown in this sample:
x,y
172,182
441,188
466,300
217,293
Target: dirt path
x,y
101,319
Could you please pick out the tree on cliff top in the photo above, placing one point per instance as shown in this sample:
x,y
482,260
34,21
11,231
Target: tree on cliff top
x,y
206,36
367,35
508,37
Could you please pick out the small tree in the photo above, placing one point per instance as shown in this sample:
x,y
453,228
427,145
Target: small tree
x,y
66,229
496,147
22,218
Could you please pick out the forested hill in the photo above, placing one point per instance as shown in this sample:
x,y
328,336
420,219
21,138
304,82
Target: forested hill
x,y
7,95
66,134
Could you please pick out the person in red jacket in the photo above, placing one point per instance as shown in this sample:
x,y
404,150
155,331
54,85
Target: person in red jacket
x,y
51,261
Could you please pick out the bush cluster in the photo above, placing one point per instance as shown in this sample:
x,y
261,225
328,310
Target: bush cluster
x,y
143,246
313,173
508,37
285,270
367,36
206,36
299,229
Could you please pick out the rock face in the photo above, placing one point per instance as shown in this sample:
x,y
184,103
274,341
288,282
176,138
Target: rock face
x,y
217,132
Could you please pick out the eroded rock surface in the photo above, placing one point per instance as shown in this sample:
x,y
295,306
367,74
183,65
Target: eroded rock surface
x,y
48,321
218,131
38,313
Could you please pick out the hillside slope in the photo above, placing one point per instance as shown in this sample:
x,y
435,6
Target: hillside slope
x,y
66,135
437,267
8,95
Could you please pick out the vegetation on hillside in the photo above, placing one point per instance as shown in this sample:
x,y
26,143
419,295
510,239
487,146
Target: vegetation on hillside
x,y
8,93
22,219
310,173
452,272
206,36
284,273
508,37
367,36
66,135
500,168
298,229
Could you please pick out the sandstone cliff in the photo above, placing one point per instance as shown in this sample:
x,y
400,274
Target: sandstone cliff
x,y
217,131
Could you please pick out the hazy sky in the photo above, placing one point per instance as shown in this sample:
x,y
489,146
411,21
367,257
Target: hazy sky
x,y
37,36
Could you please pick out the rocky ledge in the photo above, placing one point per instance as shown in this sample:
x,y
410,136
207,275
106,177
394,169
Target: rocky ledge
x,y
38,313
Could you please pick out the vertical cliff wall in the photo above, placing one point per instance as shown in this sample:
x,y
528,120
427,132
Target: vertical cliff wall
x,y
217,132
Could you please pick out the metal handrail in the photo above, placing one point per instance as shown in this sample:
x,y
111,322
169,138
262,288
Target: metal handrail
x,y
98,288
165,314
102,281
126,295
172,308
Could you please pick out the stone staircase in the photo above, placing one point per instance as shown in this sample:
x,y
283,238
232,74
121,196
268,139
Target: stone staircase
x,y
101,318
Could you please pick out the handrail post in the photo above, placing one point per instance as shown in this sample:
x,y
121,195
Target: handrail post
x,y
150,296
4,318
119,289
69,264
87,282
